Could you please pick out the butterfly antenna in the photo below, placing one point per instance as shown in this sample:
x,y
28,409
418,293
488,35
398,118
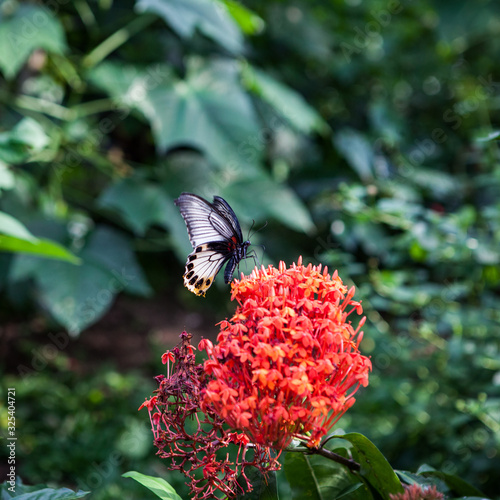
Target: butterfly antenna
x,y
250,234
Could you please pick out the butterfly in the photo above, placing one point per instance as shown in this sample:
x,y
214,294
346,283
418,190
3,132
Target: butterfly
x,y
215,233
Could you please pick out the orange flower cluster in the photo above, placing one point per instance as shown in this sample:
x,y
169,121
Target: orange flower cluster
x,y
287,364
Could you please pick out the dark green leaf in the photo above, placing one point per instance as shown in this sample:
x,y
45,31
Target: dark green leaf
x,y
375,469
208,111
140,203
358,152
6,177
284,100
268,198
28,28
77,296
301,476
455,483
264,487
26,138
157,485
211,17
38,492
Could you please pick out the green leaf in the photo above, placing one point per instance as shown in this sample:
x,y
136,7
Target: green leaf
x,y
127,82
207,111
157,485
28,28
268,198
12,227
211,17
488,136
458,485
140,203
375,469
356,149
78,296
285,101
26,138
301,477
28,131
38,492
249,22
314,476
39,247
264,487
7,179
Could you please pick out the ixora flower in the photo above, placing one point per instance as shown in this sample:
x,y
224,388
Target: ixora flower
x,y
287,364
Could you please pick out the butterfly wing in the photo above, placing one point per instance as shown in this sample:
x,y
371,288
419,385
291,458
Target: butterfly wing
x,y
207,222
215,233
202,266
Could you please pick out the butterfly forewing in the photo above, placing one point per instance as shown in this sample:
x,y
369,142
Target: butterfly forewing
x,y
215,233
204,223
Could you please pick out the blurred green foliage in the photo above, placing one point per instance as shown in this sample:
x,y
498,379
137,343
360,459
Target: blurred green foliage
x,y
363,132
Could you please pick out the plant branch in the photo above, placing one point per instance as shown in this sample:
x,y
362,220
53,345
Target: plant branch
x,y
351,464
116,39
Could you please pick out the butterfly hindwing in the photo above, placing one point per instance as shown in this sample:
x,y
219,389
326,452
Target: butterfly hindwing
x,y
202,266
215,233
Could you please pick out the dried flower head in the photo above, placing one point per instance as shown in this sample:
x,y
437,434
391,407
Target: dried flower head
x,y
417,492
196,443
287,364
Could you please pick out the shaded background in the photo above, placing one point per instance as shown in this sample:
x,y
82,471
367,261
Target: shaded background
x,y
363,133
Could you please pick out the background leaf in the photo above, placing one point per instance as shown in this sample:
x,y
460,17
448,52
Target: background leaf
x,y
28,28
210,17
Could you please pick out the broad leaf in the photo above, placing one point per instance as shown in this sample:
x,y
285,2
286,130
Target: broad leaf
x,y
78,296
264,487
207,111
285,101
268,198
157,485
140,203
28,28
7,180
211,17
356,149
301,477
375,469
26,138
38,492
249,22
39,247
455,483
12,227
314,476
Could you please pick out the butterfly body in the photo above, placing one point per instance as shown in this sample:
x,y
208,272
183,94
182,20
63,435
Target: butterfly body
x,y
215,234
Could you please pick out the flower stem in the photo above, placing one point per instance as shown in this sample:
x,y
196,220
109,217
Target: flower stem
x,y
350,464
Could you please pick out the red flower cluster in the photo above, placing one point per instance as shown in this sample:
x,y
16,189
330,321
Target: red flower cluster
x,y
198,442
287,363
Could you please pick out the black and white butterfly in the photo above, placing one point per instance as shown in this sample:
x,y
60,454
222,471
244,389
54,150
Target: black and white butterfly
x,y
215,233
